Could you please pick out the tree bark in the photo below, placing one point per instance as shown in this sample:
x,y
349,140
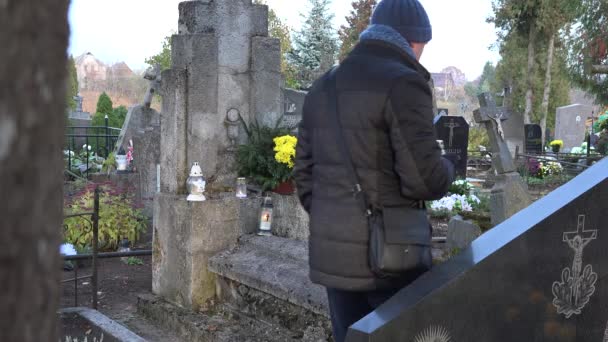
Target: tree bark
x,y
33,68
530,76
599,69
547,91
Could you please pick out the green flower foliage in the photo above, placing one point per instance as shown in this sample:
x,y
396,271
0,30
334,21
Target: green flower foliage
x,y
256,159
120,216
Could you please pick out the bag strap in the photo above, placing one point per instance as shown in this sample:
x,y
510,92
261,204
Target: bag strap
x,y
337,126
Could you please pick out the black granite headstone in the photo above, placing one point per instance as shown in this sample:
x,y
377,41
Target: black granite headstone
x,y
454,131
534,143
541,275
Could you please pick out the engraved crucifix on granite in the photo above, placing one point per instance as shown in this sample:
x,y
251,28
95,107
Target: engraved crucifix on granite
x,y
451,126
492,116
578,283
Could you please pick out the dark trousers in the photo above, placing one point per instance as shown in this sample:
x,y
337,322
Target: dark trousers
x,y
346,308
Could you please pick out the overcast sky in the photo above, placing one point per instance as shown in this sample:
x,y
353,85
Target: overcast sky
x,y
131,30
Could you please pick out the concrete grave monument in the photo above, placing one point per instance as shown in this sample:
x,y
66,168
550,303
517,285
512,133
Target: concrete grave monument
x,y
512,129
224,67
570,125
534,136
454,132
142,127
542,275
509,194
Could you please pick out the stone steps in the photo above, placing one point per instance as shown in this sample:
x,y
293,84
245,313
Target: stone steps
x,y
217,324
267,278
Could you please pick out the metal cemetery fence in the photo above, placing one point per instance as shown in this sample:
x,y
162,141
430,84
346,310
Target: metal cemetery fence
x,y
92,218
85,142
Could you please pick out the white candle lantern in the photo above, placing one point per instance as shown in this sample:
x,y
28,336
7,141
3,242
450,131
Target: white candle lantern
x,y
265,228
196,184
121,160
241,187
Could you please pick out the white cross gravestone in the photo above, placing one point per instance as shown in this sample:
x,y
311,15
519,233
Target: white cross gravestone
x,y
509,194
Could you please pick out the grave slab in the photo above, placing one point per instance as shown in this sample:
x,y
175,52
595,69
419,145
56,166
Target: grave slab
x,y
454,132
570,124
541,275
534,135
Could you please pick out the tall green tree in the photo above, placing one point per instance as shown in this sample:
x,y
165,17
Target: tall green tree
x,y
104,104
520,17
487,80
163,57
357,22
72,84
588,46
116,116
555,16
511,72
537,23
281,31
315,45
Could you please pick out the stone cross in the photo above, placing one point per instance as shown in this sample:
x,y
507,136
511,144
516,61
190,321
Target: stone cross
x,y
492,116
152,75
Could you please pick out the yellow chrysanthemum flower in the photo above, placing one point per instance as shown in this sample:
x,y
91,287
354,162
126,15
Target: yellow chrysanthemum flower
x,y
285,148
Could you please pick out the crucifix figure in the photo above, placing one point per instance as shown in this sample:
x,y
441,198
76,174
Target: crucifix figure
x,y
451,126
492,116
578,283
152,75
578,240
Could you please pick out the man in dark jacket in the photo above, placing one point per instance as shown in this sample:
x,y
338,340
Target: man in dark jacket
x,y
386,115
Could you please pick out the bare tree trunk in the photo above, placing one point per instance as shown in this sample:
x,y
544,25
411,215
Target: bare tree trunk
x,y
530,91
599,69
33,84
547,92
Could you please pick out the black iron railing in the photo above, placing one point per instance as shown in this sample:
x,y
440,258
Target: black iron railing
x,y
84,142
94,255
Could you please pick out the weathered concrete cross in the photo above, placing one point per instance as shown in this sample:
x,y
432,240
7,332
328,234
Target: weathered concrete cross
x,y
492,116
152,75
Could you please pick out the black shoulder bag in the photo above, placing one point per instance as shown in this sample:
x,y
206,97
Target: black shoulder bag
x,y
400,237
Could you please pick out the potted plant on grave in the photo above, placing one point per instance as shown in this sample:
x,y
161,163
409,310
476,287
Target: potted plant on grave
x,y
556,145
267,159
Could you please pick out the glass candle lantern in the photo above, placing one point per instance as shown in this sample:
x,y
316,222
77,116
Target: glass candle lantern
x,y
124,247
121,160
196,184
241,187
265,228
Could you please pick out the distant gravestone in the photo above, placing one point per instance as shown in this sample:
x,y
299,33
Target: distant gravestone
x,y
570,125
534,143
542,275
454,131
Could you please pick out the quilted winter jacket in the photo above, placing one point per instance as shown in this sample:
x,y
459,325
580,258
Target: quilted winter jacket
x,y
386,114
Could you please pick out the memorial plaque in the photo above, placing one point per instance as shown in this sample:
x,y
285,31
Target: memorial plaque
x,y
541,275
534,136
454,132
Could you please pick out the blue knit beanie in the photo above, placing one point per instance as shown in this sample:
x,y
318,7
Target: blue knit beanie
x,y
408,17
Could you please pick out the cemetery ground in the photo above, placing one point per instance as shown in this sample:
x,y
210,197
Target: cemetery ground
x,y
122,281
